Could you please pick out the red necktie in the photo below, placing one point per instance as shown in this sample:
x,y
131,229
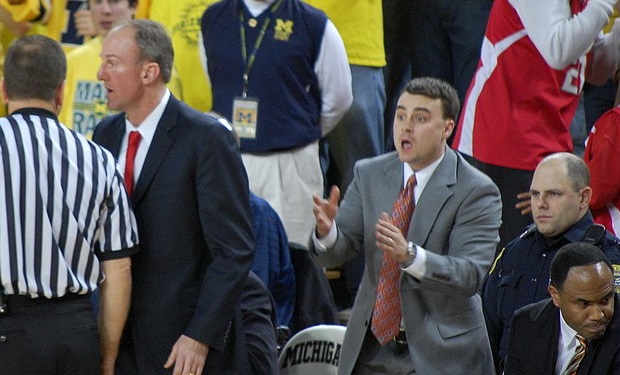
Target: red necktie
x,y
132,148
387,314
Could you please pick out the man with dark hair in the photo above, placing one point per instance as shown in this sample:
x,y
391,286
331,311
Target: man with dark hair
x,y
190,194
417,309
575,331
66,228
560,197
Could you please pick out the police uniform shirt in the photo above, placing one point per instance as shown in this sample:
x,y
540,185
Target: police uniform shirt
x,y
520,275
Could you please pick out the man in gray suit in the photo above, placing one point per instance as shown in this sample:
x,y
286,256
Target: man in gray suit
x,y
442,260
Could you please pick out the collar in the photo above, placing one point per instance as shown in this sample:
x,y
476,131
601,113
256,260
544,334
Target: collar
x,y
148,127
35,111
257,7
422,176
568,341
573,234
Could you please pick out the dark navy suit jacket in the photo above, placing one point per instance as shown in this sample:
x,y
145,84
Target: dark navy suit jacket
x,y
192,207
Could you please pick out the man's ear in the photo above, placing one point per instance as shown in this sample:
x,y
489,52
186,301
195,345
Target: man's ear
x,y
585,196
5,97
60,97
150,72
449,128
555,295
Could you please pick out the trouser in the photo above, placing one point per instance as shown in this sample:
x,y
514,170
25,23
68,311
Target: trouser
x,y
393,358
510,182
49,337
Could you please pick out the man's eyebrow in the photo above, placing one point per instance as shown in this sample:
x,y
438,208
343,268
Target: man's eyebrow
x,y
423,109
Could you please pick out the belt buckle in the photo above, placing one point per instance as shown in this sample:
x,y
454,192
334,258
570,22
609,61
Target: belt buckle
x,y
401,337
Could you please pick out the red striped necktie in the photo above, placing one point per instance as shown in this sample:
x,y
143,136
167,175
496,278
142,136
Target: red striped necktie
x,y
387,313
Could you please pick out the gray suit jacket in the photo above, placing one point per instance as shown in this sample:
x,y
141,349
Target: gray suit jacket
x,y
456,220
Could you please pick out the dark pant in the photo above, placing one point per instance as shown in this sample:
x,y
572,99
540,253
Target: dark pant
x,y
49,337
393,358
510,182
434,38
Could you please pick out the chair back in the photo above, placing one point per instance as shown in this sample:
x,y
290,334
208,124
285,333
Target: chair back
x,y
314,350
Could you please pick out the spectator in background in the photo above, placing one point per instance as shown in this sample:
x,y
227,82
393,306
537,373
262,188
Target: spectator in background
x,y
62,23
599,99
524,94
360,133
278,69
602,156
182,21
439,38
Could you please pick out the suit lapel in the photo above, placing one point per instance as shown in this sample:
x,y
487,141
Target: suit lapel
x,y
435,194
393,179
162,141
546,344
113,139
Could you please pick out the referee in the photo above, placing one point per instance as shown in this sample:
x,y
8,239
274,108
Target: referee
x,y
66,227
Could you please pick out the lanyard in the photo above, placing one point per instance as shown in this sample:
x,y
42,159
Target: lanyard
x,y
249,61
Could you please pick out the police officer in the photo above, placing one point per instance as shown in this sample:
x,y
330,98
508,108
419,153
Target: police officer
x,y
560,196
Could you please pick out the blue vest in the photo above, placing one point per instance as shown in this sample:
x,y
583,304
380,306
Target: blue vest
x,y
282,76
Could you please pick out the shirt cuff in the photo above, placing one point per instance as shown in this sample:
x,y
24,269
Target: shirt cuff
x,y
417,269
321,244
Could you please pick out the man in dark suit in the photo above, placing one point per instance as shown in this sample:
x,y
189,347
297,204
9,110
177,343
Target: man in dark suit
x,y
545,336
192,207
441,256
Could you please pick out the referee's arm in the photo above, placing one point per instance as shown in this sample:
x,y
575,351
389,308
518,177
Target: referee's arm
x,y
115,295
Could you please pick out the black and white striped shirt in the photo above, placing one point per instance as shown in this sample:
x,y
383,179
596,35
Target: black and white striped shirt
x,y
63,208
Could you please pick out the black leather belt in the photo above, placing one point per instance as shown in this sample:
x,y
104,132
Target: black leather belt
x,y
9,303
401,337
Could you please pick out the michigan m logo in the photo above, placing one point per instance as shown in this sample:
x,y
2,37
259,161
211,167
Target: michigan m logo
x,y
283,30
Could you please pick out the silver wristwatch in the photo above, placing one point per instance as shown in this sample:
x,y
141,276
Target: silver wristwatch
x,y
413,251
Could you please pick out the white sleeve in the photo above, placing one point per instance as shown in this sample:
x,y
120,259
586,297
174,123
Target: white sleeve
x,y
417,269
202,53
334,76
321,244
560,37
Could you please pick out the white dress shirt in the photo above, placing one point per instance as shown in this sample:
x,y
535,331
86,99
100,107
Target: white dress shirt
x,y
566,346
147,130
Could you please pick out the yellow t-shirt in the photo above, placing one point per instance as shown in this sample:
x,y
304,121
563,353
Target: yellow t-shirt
x,y
29,10
182,20
85,102
360,24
